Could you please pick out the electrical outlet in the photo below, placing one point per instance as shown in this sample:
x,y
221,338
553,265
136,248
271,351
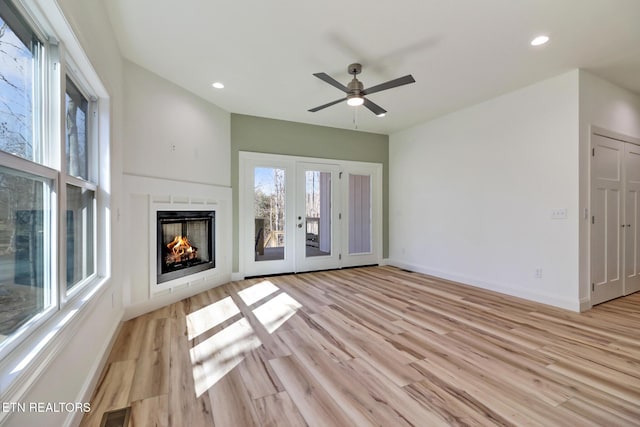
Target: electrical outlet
x,y
538,273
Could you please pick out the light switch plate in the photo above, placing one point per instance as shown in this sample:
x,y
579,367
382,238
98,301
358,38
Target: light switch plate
x,y
559,213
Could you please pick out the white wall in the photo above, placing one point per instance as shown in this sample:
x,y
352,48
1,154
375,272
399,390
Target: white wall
x,y
471,194
69,370
172,133
179,146
609,107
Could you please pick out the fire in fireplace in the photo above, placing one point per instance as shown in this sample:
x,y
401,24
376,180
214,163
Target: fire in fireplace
x,y
180,250
186,243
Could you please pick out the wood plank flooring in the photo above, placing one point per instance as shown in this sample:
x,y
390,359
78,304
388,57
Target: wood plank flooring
x,y
375,346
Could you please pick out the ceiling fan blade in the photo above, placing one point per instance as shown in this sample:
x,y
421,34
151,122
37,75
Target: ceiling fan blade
x,y
375,108
333,82
329,104
390,84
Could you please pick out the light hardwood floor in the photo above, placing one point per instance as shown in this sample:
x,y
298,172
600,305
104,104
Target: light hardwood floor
x,y
373,346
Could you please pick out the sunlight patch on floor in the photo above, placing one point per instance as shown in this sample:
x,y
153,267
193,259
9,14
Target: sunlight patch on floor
x,y
257,292
276,312
216,356
210,316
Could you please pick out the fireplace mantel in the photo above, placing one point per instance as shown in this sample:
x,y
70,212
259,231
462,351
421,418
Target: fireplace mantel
x,y
147,196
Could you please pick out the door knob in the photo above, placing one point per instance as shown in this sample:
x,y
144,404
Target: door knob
x,y
299,225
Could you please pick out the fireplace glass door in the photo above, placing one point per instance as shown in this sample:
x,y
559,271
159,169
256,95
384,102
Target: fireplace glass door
x,y
185,243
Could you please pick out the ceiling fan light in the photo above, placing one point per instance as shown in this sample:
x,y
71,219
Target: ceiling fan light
x,y
381,115
354,101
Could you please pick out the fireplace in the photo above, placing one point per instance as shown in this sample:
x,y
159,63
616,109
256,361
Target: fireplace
x,y
186,243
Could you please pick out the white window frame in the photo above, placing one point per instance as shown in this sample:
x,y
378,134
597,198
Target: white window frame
x,y
66,179
28,352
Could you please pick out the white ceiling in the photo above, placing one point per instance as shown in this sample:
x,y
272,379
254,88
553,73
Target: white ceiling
x,y
460,52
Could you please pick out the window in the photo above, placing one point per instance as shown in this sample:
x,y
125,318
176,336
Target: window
x,y
24,231
80,192
76,149
48,180
20,62
80,234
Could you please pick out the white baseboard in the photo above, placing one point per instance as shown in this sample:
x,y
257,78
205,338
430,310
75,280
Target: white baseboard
x,y
491,286
585,304
237,276
160,300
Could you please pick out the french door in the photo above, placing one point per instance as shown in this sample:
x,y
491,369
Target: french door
x,y
317,219
302,214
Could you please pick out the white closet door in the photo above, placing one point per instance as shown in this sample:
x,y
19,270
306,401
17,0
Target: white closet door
x,y
607,219
632,219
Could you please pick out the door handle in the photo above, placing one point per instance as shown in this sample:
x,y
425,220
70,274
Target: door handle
x,y
299,225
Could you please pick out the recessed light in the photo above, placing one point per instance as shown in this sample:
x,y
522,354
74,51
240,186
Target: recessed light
x,y
218,85
540,40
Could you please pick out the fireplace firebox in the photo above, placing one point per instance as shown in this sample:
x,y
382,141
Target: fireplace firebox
x,y
186,243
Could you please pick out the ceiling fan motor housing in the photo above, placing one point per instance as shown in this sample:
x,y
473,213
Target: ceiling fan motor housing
x,y
355,86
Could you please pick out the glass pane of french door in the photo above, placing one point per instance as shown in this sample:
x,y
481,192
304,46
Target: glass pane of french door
x,y
269,207
317,243
317,213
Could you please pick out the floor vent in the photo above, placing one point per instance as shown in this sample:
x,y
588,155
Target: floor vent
x,y
117,418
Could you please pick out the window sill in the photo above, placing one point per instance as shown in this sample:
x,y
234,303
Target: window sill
x,y
22,367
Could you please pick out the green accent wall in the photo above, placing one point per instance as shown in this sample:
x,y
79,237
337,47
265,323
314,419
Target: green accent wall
x,y
261,135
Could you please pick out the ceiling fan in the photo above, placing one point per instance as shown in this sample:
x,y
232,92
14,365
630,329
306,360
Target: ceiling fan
x,y
356,92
